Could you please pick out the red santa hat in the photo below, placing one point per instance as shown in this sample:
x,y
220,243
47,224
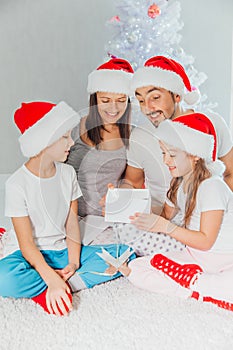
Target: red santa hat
x,y
168,74
112,76
43,123
195,134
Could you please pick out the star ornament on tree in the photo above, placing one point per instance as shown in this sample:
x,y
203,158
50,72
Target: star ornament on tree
x,y
153,11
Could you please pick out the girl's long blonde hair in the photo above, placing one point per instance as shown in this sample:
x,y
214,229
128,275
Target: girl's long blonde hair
x,y
199,174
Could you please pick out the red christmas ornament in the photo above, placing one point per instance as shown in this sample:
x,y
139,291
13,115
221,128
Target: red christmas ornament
x,y
153,11
115,19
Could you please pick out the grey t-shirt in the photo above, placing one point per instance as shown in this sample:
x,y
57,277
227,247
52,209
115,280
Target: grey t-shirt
x,y
95,169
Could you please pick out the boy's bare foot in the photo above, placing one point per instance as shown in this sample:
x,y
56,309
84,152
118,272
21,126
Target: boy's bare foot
x,y
111,270
123,269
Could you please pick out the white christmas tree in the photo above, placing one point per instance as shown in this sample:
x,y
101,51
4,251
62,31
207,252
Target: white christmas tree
x,y
145,28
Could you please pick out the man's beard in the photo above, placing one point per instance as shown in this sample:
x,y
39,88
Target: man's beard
x,y
156,124
156,114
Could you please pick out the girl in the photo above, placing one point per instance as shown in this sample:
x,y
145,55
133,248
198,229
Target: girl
x,y
99,153
204,269
43,250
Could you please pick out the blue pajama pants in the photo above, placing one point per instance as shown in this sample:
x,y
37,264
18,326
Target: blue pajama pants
x,y
18,279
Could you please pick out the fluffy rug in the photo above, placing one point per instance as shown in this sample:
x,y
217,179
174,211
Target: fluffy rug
x,y
115,315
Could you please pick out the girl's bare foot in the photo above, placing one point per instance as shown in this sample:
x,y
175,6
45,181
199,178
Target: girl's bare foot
x,y
124,269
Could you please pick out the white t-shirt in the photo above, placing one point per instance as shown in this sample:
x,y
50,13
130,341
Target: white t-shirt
x,y
212,194
144,153
46,201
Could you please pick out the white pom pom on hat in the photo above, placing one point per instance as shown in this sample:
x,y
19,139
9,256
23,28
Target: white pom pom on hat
x,y
168,74
112,76
216,168
192,97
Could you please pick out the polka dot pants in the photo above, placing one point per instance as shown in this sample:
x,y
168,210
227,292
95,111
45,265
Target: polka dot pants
x,y
144,242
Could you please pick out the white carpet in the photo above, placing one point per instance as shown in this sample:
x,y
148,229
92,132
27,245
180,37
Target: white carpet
x,y
116,315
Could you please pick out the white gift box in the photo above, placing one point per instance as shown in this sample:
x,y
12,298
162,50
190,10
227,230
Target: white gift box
x,y
123,202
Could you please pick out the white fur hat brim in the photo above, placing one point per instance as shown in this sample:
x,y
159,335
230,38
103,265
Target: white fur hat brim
x,y
60,119
107,80
165,79
186,138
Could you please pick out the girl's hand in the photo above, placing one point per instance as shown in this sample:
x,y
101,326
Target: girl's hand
x,y
57,296
68,271
150,222
146,222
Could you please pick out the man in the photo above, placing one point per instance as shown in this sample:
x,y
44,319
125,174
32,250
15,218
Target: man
x,y
159,87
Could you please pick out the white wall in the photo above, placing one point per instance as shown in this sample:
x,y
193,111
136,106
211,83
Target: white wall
x,y
207,35
48,47
231,112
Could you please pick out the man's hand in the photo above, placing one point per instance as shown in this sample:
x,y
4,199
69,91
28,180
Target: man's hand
x,y
103,199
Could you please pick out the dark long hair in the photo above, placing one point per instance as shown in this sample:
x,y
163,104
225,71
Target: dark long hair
x,y
94,124
199,174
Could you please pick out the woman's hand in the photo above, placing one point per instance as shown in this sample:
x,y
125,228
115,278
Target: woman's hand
x,y
57,300
152,223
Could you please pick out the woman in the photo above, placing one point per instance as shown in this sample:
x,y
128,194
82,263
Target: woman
x,y
99,153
